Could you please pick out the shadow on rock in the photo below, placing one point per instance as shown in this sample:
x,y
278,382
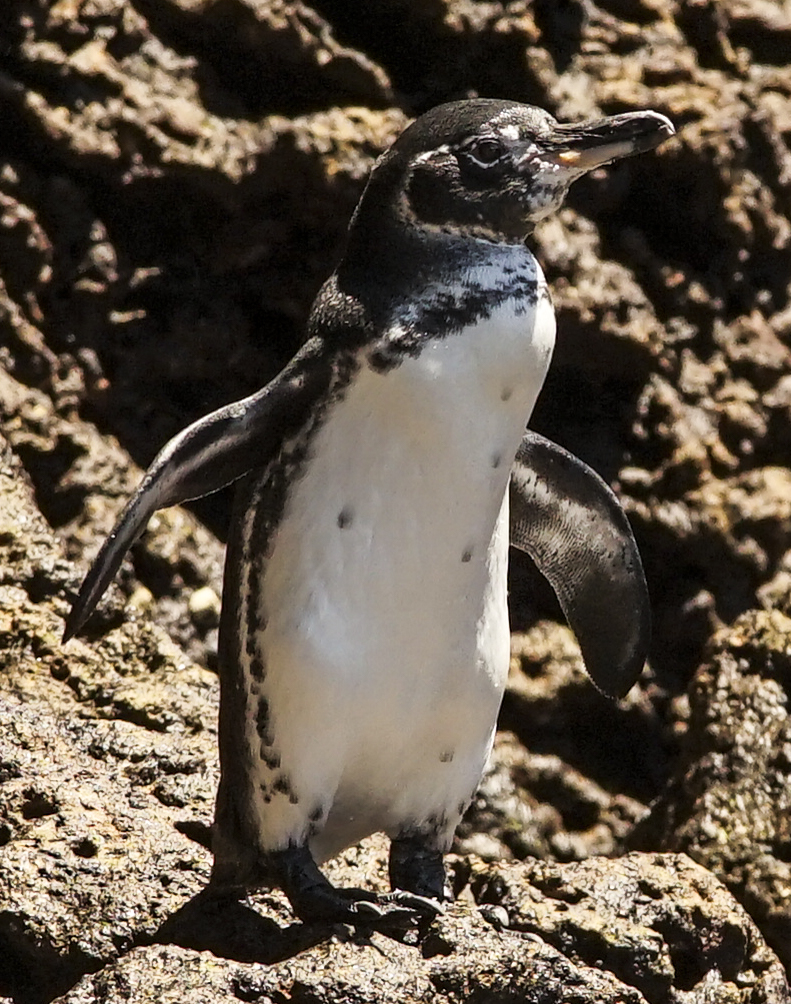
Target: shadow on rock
x,y
230,929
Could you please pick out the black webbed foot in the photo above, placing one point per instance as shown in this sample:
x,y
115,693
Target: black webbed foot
x,y
314,898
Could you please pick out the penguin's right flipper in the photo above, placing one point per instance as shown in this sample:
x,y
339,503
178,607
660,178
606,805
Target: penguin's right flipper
x,y
573,527
203,458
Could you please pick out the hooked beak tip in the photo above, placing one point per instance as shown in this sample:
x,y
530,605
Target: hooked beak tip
x,y
610,139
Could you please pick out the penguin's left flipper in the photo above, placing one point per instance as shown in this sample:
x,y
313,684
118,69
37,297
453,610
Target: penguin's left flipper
x,y
203,458
573,527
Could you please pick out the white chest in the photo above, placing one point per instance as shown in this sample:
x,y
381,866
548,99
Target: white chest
x,y
385,590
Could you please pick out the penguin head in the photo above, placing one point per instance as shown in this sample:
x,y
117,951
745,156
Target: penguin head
x,y
491,169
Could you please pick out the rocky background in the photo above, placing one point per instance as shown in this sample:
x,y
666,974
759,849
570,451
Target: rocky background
x,y
175,178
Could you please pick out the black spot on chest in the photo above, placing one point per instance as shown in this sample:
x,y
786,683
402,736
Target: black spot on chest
x,y
345,517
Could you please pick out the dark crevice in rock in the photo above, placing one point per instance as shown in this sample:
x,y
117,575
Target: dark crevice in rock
x,y
281,61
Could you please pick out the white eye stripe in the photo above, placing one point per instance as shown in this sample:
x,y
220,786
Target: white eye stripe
x,y
430,154
485,150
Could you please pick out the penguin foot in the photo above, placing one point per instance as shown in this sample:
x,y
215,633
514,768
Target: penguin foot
x,y
417,867
399,901
397,910
314,898
362,908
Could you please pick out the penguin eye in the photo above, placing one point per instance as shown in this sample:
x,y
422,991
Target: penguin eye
x,y
486,151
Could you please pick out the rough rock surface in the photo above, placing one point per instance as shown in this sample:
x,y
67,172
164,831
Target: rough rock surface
x,y
642,944
728,804
175,179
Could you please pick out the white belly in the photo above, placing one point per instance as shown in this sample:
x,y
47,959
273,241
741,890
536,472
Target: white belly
x,y
387,639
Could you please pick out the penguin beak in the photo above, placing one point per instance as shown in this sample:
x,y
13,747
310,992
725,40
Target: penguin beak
x,y
584,147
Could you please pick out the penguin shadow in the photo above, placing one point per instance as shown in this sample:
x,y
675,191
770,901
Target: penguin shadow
x,y
220,922
225,922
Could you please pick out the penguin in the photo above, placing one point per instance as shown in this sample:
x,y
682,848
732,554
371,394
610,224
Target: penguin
x,y
380,479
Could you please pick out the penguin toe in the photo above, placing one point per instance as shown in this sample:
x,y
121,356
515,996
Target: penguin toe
x,y
423,905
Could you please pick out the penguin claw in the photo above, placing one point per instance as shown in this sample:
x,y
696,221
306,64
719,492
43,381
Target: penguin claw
x,y
396,909
373,910
383,915
423,905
